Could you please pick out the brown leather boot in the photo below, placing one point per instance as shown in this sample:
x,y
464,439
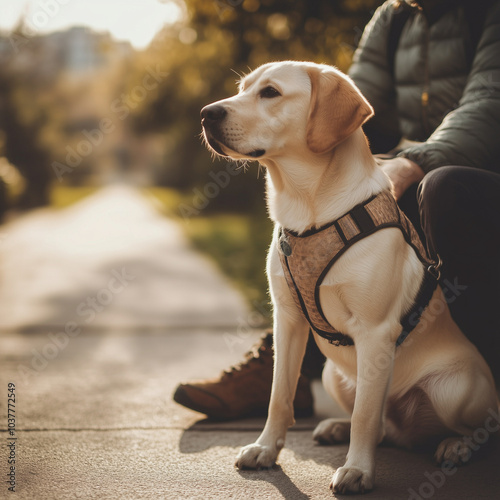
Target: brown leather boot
x,y
243,390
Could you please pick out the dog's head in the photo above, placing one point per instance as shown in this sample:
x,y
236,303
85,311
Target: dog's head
x,y
285,107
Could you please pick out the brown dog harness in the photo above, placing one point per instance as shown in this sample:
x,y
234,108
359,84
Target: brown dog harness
x,y
307,257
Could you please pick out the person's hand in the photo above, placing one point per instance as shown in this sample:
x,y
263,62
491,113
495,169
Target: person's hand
x,y
402,173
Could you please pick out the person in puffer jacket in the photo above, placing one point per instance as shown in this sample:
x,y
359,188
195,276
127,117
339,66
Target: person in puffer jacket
x,y
440,88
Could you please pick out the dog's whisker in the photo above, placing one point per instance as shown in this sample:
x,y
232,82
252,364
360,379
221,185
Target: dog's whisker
x,y
259,170
242,164
240,76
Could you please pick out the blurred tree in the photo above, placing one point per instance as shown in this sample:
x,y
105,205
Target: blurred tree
x,y
219,40
22,117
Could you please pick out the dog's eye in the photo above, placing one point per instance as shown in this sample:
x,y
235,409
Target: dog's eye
x,y
269,92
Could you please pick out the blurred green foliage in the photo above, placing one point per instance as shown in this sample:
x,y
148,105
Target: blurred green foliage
x,y
238,244
23,118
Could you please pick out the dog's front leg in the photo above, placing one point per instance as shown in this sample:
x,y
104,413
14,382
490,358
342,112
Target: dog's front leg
x,y
290,338
375,357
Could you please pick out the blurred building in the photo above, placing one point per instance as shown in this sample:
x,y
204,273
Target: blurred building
x,y
76,50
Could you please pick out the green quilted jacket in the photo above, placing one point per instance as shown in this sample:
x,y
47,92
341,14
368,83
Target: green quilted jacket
x,y
442,90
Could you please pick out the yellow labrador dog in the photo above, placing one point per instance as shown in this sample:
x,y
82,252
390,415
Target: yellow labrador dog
x,y
302,121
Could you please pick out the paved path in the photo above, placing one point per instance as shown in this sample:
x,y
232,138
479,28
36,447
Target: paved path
x,y
94,414
109,261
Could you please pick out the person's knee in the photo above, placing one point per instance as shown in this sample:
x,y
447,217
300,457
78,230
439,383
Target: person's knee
x,y
437,199
438,190
442,198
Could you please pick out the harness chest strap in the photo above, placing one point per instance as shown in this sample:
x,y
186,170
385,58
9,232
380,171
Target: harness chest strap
x,y
306,258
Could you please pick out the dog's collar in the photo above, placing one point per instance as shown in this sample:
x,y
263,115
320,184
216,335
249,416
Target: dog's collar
x,y
307,257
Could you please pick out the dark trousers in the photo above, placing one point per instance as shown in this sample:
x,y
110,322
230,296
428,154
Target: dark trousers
x,y
456,211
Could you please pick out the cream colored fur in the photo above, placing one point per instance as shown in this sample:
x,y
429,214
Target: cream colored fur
x,y
319,166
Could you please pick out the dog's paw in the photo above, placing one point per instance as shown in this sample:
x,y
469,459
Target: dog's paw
x,y
332,431
351,480
453,449
256,456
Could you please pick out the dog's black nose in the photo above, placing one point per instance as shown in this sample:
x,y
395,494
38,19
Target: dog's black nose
x,y
213,113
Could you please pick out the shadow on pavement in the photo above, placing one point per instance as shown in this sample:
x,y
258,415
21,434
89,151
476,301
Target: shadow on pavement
x,y
279,479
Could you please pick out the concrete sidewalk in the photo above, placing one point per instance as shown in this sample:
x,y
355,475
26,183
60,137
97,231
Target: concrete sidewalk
x,y
98,422
94,414
114,253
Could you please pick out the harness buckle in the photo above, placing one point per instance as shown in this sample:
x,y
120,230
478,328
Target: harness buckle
x,y
435,269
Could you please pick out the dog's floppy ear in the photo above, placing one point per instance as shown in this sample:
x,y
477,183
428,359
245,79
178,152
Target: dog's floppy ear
x,y
337,109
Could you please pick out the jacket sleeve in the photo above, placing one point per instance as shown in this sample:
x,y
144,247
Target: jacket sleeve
x,y
370,72
470,134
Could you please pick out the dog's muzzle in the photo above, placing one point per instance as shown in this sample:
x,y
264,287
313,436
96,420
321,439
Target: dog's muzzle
x,y
212,117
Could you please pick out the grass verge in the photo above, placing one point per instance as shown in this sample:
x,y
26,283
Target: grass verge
x,y
238,244
62,196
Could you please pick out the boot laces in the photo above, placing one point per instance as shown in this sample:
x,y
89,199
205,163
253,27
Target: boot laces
x,y
252,356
